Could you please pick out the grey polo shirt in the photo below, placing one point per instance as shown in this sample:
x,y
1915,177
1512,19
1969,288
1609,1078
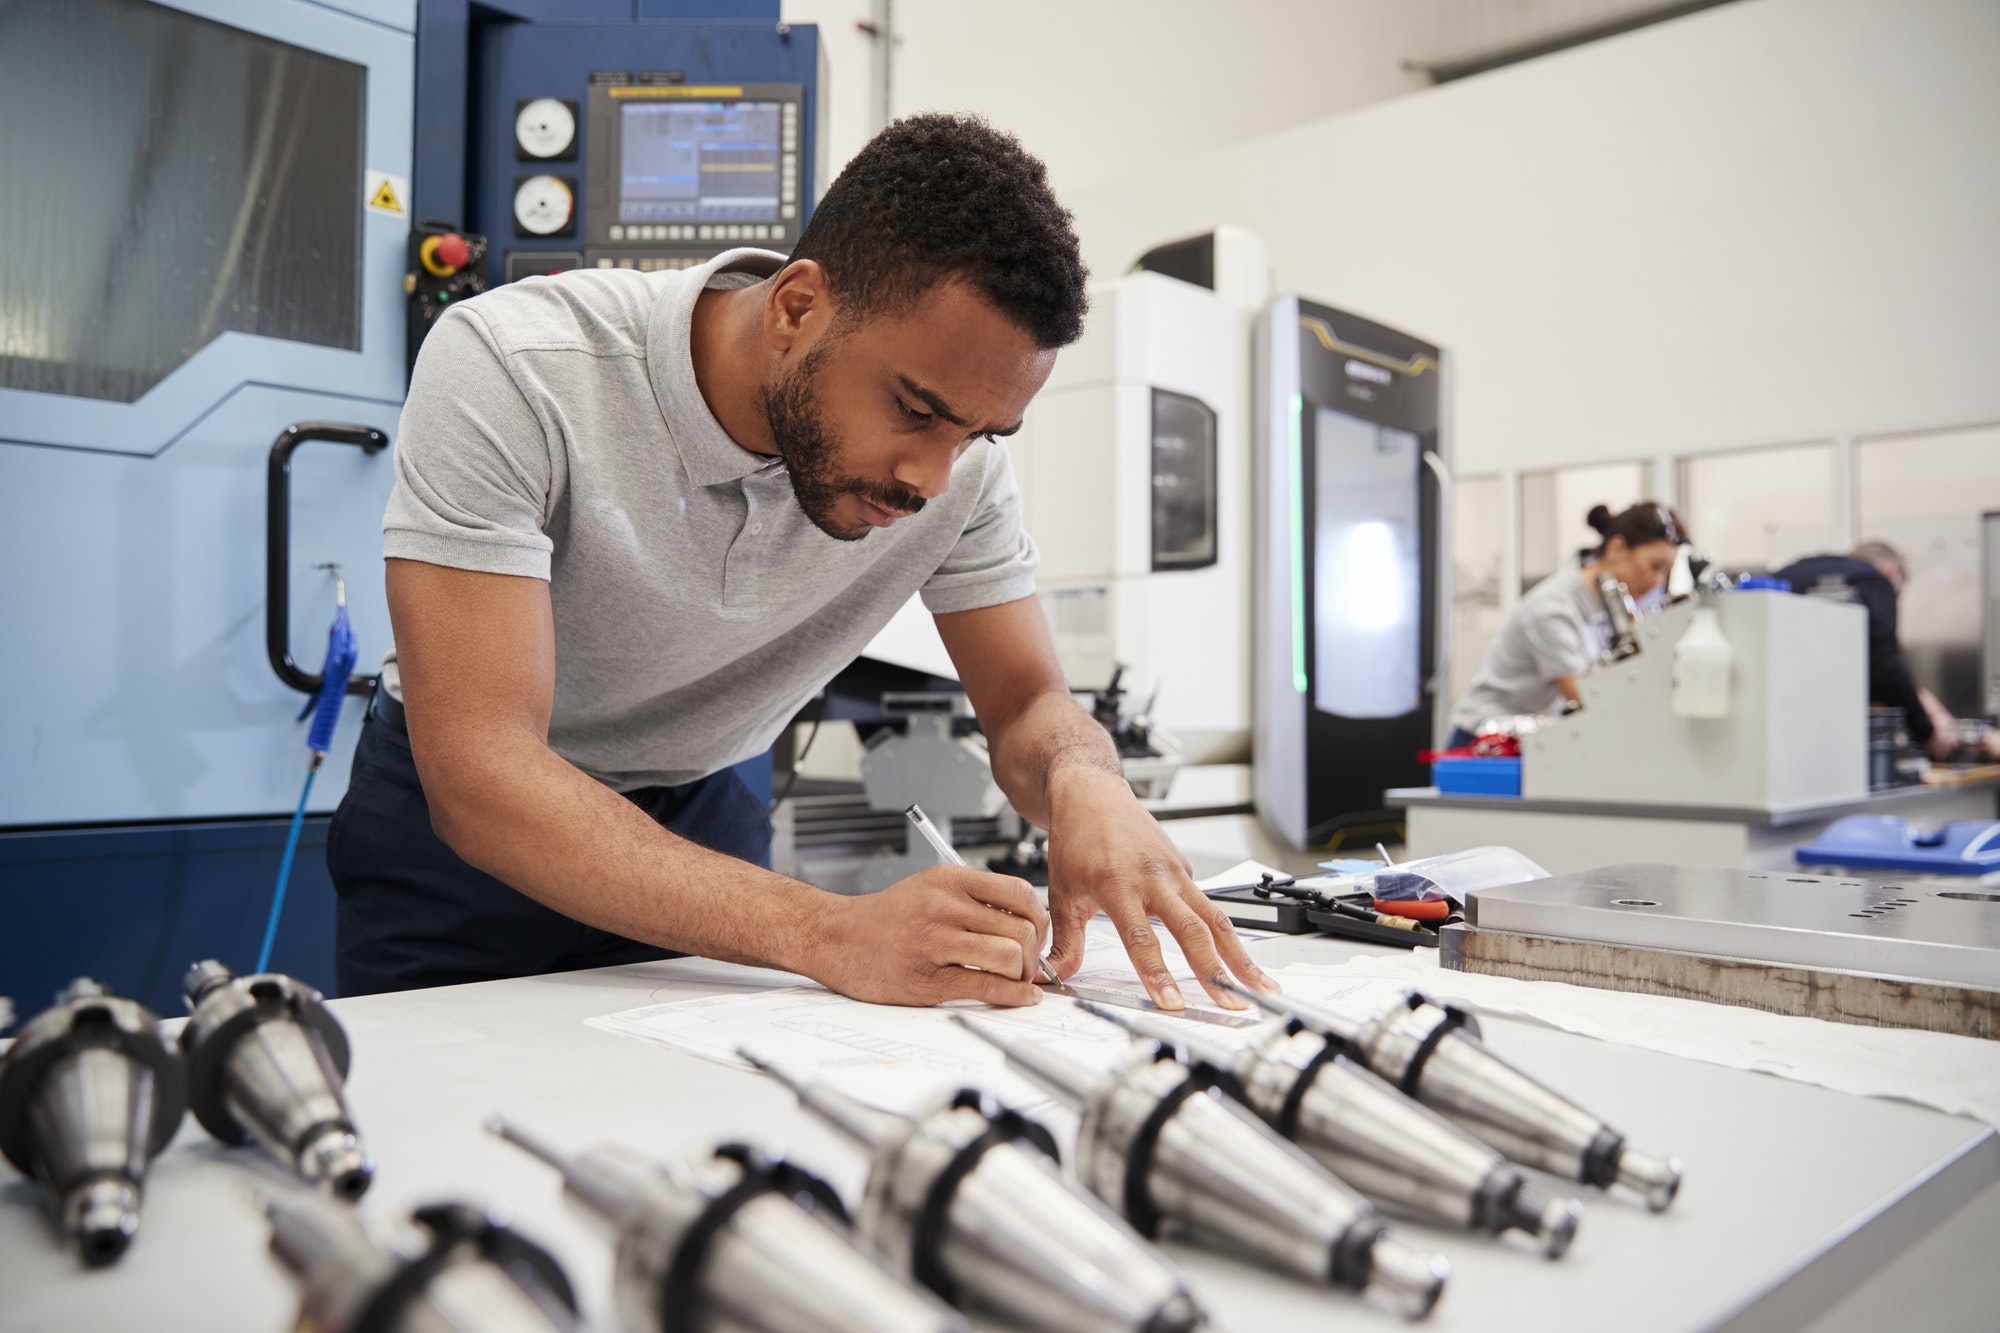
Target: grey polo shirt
x,y
1559,629
554,430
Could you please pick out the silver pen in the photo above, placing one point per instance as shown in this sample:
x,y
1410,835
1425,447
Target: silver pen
x,y
916,816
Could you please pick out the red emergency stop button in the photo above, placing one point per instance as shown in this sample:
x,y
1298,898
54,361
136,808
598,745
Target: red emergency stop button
x,y
445,254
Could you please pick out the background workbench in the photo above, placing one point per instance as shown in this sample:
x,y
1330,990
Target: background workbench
x,y
1795,1195
1563,836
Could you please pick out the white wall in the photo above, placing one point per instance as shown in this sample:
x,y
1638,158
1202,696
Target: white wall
x,y
845,95
1100,89
1775,220
1104,88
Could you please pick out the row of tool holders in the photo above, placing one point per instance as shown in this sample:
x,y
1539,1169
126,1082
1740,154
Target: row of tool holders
x,y
1285,1152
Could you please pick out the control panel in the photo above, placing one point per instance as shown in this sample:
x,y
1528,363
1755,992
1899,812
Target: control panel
x,y
648,146
445,265
677,172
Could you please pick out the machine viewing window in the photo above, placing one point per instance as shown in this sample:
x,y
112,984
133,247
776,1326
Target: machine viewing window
x,y
1183,482
699,162
1367,575
164,180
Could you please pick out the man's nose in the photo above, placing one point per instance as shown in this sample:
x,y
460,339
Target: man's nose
x,y
926,471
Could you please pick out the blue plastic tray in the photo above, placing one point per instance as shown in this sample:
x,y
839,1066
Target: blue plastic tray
x,y
1884,842
1477,777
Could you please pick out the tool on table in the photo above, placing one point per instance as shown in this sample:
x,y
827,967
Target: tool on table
x,y
942,846
1433,1053
266,1061
448,1268
90,1092
1163,1144
1400,1154
967,1198
1402,897
1298,907
733,1242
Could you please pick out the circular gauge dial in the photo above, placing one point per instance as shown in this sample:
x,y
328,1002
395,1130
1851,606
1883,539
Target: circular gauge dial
x,y
542,205
545,127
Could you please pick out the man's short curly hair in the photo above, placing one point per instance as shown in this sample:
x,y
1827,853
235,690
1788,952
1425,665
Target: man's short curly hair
x,y
936,197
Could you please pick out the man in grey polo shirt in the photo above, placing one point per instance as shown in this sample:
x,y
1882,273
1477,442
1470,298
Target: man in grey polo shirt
x,y
639,519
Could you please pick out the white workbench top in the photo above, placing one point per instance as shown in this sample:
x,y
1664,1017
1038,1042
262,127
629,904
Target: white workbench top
x,y
1793,1194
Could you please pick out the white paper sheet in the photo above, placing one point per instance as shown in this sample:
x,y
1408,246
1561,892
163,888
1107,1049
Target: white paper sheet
x,y
1956,1075
897,1058
1243,872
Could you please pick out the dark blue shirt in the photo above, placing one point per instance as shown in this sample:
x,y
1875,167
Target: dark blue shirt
x,y
1888,677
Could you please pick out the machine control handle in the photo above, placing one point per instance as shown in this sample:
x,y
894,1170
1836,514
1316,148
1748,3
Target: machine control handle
x,y
278,547
1441,667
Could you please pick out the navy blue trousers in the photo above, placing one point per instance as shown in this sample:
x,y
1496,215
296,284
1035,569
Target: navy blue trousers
x,y
410,912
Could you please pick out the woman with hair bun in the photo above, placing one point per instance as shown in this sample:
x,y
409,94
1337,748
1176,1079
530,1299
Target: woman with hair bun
x,y
1560,628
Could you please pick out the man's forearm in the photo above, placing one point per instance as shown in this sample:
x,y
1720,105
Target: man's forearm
x,y
526,816
1051,741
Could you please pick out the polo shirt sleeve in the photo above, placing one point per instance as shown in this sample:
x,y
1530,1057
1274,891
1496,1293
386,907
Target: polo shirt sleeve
x,y
1557,643
473,470
993,560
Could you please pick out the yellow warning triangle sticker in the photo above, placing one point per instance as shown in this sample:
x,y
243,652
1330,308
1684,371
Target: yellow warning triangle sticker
x,y
385,199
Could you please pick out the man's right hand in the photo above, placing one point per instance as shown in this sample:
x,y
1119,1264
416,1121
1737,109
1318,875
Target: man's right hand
x,y
945,933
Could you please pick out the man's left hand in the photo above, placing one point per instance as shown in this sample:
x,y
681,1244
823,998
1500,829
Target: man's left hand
x,y
1107,854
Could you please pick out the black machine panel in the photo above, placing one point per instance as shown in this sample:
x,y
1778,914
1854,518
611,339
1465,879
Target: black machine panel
x,y
1371,560
676,171
648,145
1184,482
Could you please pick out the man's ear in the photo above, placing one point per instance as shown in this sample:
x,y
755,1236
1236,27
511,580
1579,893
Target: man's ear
x,y
798,304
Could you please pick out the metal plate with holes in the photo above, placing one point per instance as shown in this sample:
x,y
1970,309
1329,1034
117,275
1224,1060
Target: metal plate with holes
x,y
1881,925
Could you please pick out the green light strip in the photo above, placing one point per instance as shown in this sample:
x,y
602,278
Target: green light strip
x,y
1298,544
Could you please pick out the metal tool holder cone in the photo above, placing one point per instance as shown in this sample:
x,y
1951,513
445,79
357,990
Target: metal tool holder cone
x,y
451,1268
967,1198
1399,1153
267,1061
734,1242
90,1092
1164,1143
1432,1052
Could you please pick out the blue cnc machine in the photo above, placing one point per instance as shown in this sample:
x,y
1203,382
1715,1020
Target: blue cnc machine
x,y
213,220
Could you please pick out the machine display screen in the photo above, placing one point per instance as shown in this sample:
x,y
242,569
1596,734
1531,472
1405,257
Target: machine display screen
x,y
1367,572
699,162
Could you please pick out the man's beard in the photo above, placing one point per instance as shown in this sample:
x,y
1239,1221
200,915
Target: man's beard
x,y
812,454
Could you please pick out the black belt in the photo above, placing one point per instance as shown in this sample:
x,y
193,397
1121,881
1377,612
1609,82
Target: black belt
x,y
388,710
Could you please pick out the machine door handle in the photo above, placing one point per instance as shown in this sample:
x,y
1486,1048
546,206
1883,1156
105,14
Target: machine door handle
x,y
1441,668
278,546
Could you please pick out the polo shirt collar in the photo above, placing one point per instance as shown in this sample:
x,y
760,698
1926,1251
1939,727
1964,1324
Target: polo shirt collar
x,y
711,457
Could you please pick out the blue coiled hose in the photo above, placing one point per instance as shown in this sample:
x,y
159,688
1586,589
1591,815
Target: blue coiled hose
x,y
341,652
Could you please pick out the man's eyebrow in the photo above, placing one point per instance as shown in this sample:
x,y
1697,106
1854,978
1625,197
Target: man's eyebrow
x,y
931,400
943,409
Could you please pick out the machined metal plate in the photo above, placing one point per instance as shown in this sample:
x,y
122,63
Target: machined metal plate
x,y
1923,928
